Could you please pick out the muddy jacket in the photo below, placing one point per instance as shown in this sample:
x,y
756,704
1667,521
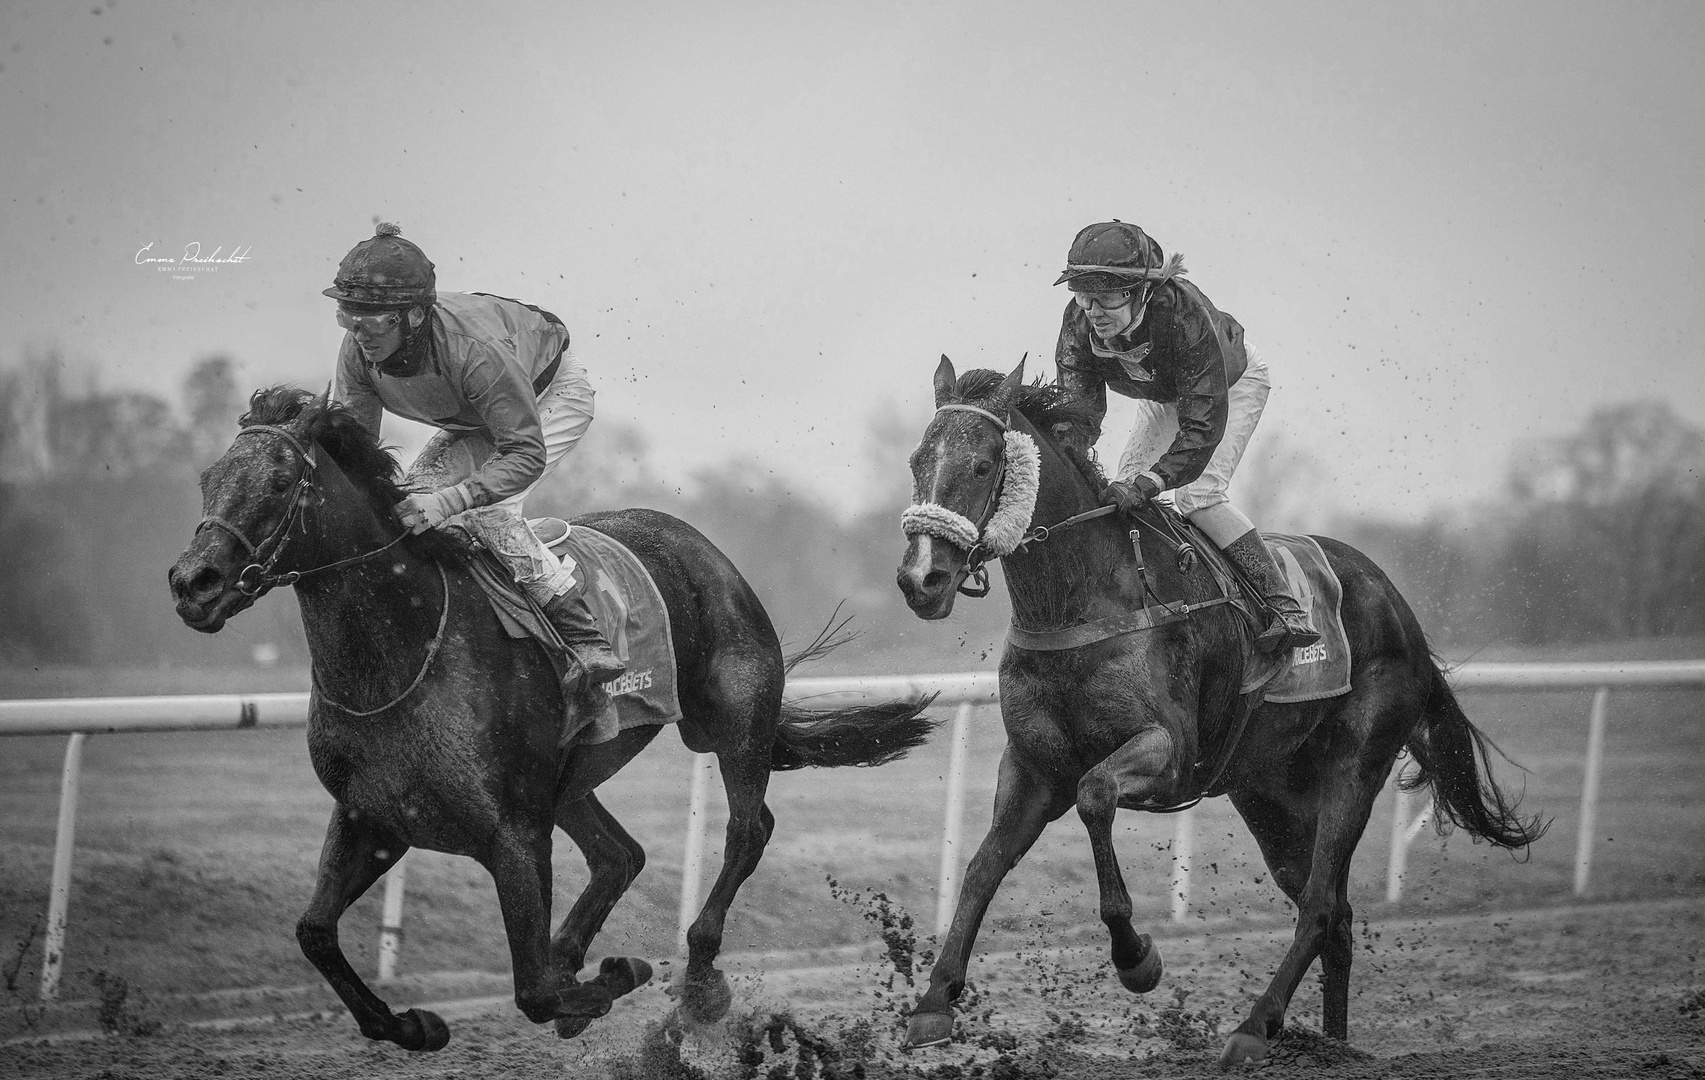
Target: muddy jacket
x,y
485,362
1183,352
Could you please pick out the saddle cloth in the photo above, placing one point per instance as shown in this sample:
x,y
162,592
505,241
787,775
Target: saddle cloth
x,y
1321,670
627,607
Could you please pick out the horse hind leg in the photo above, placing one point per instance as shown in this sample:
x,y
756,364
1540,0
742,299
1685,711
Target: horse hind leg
x,y
1307,838
354,857
705,995
613,860
1133,773
519,861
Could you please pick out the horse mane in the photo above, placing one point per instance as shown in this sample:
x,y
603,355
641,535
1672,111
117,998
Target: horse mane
x,y
371,466
1048,407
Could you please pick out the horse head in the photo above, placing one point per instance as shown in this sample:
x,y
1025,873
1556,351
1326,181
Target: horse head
x,y
996,455
262,505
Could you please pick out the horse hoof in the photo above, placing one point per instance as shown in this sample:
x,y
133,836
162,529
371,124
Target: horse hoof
x,y
706,998
425,1031
928,1029
1243,1049
622,975
588,999
1145,976
567,1027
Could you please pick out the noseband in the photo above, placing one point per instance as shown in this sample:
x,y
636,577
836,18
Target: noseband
x,y
258,577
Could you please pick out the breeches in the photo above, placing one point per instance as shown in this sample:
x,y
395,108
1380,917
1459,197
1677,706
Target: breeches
x,y
565,412
1203,500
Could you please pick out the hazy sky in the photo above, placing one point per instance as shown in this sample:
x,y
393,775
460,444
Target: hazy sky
x,y
1450,228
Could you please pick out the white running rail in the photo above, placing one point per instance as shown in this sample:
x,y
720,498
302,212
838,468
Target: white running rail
x,y
81,717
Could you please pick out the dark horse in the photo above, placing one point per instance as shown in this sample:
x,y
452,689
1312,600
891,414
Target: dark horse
x,y
431,728
1151,719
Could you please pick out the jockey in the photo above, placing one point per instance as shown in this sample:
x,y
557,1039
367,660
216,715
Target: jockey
x,y
1135,325
498,380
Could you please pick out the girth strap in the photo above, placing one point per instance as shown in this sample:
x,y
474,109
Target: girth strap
x,y
1129,622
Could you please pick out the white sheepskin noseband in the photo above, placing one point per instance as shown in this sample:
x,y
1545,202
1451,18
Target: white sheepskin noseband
x,y
1011,519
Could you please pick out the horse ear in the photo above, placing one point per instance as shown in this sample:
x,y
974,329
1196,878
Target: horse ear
x,y
1001,400
946,382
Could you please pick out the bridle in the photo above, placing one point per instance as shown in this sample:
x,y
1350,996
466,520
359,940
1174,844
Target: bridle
x,y
975,568
258,577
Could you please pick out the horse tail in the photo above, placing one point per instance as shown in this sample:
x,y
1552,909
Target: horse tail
x,y
1455,758
856,735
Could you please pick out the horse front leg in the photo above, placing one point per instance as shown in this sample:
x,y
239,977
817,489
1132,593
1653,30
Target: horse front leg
x,y
357,853
1138,771
1025,802
613,860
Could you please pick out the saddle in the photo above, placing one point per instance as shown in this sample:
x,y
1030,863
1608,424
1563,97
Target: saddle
x,y
1321,670
628,609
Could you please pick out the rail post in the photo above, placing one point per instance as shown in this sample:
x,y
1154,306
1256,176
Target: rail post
x,y
391,921
692,860
1183,849
1403,832
1589,789
953,825
59,890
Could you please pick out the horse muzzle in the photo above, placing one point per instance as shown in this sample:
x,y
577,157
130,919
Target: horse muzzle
x,y
205,596
929,586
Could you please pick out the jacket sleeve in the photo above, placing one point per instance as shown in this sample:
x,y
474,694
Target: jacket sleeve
x,y
1077,372
353,388
1202,405
497,390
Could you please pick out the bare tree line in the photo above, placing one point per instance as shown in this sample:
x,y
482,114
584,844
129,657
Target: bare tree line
x,y
1597,535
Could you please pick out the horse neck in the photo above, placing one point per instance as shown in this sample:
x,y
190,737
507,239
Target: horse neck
x,y
365,622
1086,571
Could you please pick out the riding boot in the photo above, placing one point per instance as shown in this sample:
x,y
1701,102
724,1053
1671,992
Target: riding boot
x,y
1290,628
595,663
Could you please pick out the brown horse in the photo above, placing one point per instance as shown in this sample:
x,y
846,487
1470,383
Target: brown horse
x,y
1151,719
432,728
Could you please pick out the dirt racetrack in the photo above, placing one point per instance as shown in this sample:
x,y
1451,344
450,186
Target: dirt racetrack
x,y
1579,991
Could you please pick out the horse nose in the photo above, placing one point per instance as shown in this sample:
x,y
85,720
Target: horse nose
x,y
198,587
921,589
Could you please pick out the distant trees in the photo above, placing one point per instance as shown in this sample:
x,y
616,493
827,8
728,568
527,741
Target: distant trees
x,y
98,494
1600,535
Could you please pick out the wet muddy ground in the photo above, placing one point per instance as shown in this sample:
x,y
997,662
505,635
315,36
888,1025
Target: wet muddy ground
x,y
1582,991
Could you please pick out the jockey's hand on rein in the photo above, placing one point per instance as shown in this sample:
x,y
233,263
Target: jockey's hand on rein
x,y
1129,497
419,513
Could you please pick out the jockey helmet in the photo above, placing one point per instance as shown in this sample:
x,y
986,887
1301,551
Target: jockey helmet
x,y
385,270
1109,256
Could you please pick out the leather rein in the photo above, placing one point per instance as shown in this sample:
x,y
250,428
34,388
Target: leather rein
x,y
258,578
976,557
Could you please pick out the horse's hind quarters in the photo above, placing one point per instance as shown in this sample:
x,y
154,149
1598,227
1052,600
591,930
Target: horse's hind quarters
x,y
928,1029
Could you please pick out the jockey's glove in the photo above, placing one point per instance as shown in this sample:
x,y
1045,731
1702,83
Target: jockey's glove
x,y
432,509
1130,497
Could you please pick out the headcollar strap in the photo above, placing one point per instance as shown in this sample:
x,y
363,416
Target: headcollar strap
x,y
998,422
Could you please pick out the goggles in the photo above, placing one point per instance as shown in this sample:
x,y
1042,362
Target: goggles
x,y
1106,301
374,325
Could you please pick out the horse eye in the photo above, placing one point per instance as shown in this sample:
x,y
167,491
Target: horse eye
x,y
984,468
281,482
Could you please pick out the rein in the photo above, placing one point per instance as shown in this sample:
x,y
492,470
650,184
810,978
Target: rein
x,y
257,577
